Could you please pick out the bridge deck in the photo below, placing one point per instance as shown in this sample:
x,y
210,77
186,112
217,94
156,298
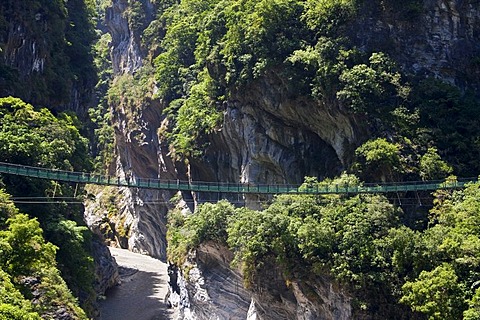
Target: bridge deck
x,y
199,186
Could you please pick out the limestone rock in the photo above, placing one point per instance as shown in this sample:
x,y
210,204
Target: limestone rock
x,y
211,289
272,135
106,269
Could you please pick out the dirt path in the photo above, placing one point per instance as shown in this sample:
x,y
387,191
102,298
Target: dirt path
x,y
140,296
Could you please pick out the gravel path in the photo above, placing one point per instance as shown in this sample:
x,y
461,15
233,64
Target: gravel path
x,y
140,296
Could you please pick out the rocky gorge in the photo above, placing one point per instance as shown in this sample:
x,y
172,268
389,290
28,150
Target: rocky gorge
x,y
271,132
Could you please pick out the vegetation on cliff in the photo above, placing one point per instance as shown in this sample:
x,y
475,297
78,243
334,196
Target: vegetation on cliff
x,y
36,137
45,50
363,241
202,54
213,49
46,59
207,52
31,285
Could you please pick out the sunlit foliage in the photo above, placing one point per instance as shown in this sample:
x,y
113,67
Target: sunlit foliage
x,y
27,264
36,137
359,240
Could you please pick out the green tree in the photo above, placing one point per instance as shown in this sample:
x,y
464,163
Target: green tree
x,y
449,119
24,253
327,16
473,312
36,137
447,258
28,250
208,223
197,115
379,159
78,270
257,236
12,312
315,239
436,293
359,222
7,208
432,166
375,89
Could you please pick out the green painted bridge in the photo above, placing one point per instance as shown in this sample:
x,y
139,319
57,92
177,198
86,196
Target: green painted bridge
x,y
217,187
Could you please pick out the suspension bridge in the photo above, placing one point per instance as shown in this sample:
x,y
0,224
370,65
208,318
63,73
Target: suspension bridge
x,y
218,187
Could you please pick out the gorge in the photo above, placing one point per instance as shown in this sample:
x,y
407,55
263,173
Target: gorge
x,y
266,92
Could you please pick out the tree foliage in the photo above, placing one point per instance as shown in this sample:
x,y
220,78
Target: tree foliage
x,y
379,158
359,240
436,293
27,268
208,224
432,167
212,47
375,89
36,137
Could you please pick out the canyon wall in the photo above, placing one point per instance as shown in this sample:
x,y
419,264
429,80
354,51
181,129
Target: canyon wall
x,y
268,135
45,56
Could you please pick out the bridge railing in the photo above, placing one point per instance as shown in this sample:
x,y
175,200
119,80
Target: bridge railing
x,y
219,187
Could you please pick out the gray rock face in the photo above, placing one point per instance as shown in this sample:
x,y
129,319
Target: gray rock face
x,y
125,54
438,38
270,135
139,217
213,290
23,52
31,40
141,154
106,269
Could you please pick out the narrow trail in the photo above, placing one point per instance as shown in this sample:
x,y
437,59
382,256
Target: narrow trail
x,y
140,296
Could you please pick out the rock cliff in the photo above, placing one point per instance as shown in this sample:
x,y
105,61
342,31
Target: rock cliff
x,y
438,38
215,291
45,55
270,134
138,220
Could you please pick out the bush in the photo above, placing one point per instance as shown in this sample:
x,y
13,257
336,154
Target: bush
x,y
379,158
25,254
436,293
10,312
208,223
358,240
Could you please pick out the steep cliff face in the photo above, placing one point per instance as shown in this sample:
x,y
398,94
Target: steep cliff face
x,y
126,55
137,147
215,291
438,38
106,269
270,134
136,219
45,54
